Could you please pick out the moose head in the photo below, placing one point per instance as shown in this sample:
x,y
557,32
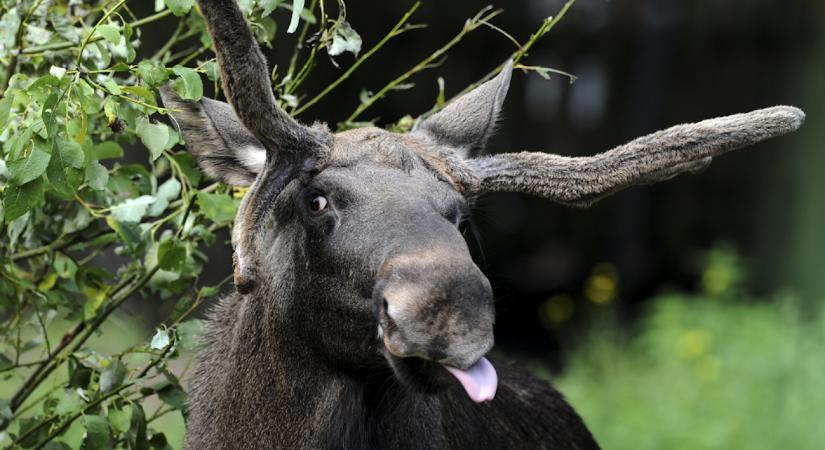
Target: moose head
x,y
352,242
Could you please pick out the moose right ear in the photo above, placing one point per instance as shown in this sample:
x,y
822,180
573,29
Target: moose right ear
x,y
467,122
223,147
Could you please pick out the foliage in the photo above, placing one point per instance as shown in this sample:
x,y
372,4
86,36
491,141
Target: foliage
x,y
712,371
101,204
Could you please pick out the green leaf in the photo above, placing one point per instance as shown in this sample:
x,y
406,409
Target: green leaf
x,y
297,7
28,424
268,6
131,210
142,93
217,207
37,35
112,377
97,432
69,403
20,199
152,72
57,72
189,86
160,340
106,150
120,419
94,300
171,256
111,85
158,440
71,152
153,135
63,169
189,167
189,333
5,110
179,7
245,6
110,108
173,395
64,266
344,39
109,32
138,428
97,176
209,291
5,362
27,169
167,192
129,233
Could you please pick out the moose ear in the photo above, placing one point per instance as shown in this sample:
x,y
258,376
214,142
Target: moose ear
x,y
468,121
223,147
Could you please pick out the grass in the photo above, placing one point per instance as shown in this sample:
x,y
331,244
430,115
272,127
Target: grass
x,y
705,373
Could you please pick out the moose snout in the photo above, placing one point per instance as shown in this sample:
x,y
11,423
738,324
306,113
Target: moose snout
x,y
435,307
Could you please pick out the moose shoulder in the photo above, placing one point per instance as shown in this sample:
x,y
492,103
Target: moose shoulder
x,y
360,319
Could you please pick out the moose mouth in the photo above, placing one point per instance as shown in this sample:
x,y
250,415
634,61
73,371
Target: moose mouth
x,y
480,381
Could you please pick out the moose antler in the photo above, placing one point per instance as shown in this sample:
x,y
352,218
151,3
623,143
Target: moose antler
x,y
581,181
245,80
286,147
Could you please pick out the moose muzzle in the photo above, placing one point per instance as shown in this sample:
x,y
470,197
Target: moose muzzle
x,y
435,304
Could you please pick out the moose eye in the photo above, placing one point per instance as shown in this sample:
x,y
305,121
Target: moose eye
x,y
318,204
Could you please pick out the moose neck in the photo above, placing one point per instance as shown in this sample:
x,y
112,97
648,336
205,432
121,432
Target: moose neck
x,y
274,387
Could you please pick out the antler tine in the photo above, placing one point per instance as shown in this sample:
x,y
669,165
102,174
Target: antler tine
x,y
245,79
581,181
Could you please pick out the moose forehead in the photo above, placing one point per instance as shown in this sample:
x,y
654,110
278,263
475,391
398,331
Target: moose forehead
x,y
380,148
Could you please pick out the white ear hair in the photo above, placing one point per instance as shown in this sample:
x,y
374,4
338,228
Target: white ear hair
x,y
223,147
252,157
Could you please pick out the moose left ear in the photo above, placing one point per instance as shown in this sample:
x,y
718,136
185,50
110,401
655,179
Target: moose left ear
x,y
468,121
224,148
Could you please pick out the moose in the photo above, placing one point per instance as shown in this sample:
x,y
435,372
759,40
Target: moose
x,y
360,319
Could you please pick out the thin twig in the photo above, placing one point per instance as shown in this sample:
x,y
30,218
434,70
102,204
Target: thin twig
x,y
18,44
517,56
58,244
43,371
299,43
471,25
67,45
94,29
395,31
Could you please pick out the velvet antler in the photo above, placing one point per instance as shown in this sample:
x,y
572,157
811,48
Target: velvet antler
x,y
252,143
581,181
245,80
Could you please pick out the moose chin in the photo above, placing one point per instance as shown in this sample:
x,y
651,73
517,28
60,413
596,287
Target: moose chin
x,y
360,319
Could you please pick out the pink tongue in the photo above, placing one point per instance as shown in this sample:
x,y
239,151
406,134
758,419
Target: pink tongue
x,y
480,381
